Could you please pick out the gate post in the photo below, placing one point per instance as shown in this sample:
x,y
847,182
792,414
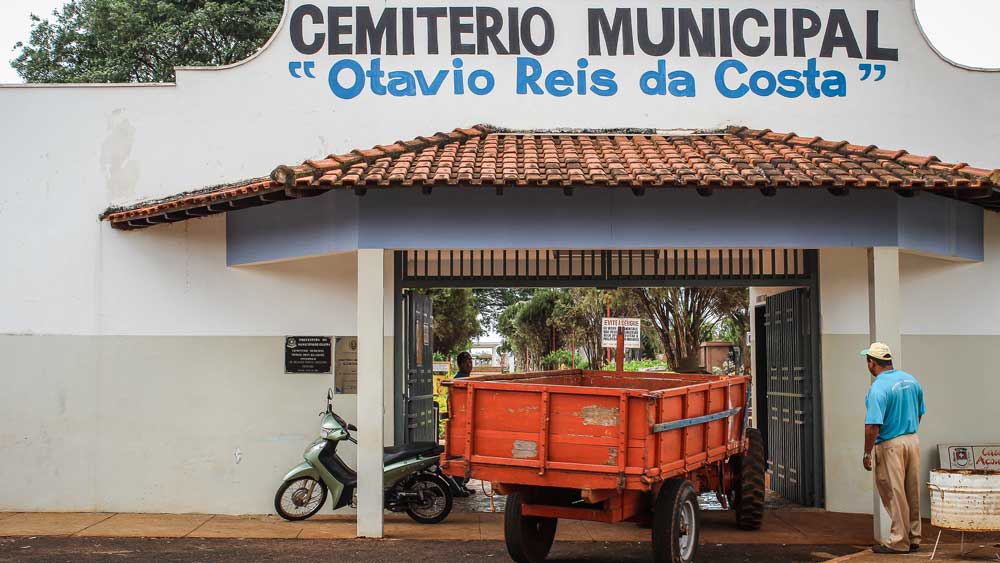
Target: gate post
x,y
884,313
371,384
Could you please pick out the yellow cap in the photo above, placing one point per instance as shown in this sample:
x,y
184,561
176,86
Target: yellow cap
x,y
878,351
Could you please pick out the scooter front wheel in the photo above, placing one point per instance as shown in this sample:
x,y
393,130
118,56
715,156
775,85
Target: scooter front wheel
x,y
436,499
298,499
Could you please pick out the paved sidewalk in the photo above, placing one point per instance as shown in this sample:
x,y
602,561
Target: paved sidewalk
x,y
978,550
786,527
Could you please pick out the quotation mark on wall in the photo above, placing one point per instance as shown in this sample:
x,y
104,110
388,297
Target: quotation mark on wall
x,y
306,67
866,71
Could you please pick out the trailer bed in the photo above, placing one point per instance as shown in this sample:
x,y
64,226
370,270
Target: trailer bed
x,y
592,430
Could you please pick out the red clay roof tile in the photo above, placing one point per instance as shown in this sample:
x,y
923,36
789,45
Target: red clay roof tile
x,y
735,158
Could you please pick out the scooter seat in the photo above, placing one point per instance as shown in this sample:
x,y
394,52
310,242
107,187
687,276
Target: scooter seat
x,y
395,454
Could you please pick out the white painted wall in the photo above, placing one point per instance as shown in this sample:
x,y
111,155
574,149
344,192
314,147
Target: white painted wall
x,y
134,420
950,343
951,339
959,298
152,424
844,310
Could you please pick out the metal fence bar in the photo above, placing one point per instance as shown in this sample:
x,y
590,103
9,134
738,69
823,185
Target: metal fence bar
x,y
607,268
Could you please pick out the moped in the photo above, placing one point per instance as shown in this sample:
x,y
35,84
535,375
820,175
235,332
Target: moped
x,y
412,480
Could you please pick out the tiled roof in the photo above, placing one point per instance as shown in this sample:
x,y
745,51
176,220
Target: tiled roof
x,y
735,158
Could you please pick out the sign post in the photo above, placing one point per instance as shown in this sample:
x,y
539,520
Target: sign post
x,y
613,328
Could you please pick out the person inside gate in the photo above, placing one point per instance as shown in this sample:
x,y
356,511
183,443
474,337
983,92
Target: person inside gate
x,y
895,406
464,362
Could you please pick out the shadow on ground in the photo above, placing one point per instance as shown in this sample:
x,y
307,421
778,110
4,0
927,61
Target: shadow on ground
x,y
481,501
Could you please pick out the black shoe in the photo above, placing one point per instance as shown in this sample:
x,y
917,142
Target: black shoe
x,y
886,551
914,547
469,492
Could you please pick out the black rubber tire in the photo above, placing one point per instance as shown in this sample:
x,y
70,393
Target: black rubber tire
x,y
675,496
529,538
441,487
291,517
748,497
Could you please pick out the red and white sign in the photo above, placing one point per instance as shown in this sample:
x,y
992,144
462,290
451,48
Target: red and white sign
x,y
960,456
609,332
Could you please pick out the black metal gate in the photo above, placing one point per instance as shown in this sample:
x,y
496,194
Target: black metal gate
x,y
792,396
420,413
792,406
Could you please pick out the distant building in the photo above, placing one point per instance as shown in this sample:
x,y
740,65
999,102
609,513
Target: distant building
x,y
485,353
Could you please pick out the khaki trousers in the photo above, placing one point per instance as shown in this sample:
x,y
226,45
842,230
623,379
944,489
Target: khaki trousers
x,y
897,474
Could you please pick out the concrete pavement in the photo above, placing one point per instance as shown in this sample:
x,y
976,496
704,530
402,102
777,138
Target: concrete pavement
x,y
64,549
979,548
782,527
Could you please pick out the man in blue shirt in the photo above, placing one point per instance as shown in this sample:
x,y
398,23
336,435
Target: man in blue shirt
x,y
895,405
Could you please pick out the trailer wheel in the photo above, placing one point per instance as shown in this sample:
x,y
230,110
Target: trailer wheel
x,y
528,538
748,500
676,523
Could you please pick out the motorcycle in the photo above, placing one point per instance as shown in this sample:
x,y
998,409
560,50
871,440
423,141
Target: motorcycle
x,y
412,479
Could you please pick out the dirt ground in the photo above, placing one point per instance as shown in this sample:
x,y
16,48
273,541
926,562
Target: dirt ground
x,y
87,550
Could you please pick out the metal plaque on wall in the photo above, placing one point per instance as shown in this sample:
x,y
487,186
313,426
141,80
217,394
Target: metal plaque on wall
x,y
308,354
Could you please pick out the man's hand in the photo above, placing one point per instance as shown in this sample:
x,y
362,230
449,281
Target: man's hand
x,y
871,433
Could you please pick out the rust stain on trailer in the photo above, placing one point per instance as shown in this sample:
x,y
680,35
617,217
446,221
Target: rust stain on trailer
x,y
524,449
523,410
613,455
595,415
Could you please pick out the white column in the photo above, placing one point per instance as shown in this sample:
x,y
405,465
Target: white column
x,y
884,326
371,303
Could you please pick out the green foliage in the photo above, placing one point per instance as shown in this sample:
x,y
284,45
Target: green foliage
x,y
557,359
491,302
442,406
142,40
639,365
647,339
507,327
455,322
728,331
734,310
675,323
528,328
579,319
683,317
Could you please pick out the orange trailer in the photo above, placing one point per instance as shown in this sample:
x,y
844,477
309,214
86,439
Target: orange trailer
x,y
607,446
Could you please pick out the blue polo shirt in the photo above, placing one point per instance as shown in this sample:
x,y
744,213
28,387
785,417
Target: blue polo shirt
x,y
896,402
